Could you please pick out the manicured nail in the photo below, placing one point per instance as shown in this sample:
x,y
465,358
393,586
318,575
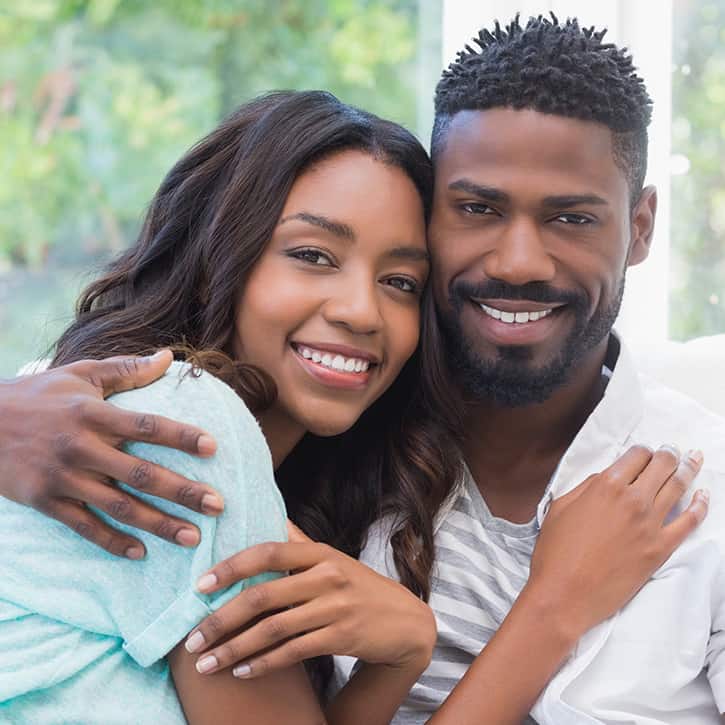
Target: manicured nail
x,y
207,582
672,449
206,664
206,445
194,642
211,504
705,495
242,671
187,537
696,457
134,552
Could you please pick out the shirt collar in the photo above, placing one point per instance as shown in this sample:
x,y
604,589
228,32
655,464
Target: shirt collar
x,y
605,432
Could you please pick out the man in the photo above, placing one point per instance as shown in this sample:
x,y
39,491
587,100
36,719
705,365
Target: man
x,y
540,146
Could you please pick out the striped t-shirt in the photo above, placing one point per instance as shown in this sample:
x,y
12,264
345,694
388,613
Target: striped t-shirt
x,y
482,564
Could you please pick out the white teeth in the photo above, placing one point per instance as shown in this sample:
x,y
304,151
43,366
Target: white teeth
x,y
514,317
335,362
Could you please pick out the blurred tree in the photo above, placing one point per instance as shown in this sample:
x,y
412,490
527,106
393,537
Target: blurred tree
x,y
697,304
98,98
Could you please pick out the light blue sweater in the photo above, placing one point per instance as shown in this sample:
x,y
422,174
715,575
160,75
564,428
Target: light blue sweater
x,y
83,635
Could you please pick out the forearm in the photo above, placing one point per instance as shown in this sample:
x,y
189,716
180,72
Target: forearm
x,y
373,695
505,680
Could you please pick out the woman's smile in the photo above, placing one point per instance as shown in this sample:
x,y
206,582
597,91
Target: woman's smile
x,y
339,366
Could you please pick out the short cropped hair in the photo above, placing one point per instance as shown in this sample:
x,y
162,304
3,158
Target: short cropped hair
x,y
557,68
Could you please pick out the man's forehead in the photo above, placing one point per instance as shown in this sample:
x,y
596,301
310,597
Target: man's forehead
x,y
502,140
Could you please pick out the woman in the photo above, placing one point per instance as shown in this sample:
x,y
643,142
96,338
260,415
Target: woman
x,y
284,255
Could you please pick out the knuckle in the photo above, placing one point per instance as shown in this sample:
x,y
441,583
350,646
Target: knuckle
x,y
146,424
165,529
275,628
140,475
187,494
65,445
229,652
85,528
225,570
120,508
269,553
297,650
127,367
262,666
258,598
333,575
213,626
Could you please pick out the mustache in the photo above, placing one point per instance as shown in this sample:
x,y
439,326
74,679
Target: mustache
x,y
462,291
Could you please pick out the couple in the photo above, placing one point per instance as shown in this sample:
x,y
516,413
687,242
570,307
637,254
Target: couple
x,y
476,521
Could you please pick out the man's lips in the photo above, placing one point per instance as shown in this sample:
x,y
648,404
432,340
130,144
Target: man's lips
x,y
516,322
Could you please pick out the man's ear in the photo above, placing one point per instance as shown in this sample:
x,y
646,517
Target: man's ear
x,y
643,225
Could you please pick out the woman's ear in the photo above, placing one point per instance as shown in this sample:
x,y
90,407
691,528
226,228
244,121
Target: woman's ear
x,y
642,226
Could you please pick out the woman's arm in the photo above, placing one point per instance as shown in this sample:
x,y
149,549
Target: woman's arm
x,y
283,696
598,546
59,445
329,604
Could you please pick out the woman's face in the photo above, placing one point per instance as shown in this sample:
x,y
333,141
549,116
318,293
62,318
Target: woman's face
x,y
331,309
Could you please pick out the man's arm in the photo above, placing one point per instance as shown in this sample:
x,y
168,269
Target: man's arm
x,y
59,452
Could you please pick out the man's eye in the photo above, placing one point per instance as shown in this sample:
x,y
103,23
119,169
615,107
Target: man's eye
x,y
573,219
312,256
472,207
405,284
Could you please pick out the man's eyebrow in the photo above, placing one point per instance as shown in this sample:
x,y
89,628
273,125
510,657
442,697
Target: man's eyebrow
x,y
339,229
566,200
413,254
489,193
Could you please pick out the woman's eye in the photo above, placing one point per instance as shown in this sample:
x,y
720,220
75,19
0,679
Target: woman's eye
x,y
403,283
312,256
573,219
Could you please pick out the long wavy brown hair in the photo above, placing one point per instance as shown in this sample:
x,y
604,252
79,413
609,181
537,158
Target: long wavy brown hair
x,y
179,284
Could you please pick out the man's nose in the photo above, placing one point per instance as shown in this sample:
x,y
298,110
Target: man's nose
x,y
520,255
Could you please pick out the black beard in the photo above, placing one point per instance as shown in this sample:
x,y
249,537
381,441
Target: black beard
x,y
509,380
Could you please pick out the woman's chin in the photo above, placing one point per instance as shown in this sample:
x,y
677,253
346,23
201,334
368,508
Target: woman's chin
x,y
328,427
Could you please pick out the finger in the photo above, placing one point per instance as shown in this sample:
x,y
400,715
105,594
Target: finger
x,y
679,529
127,509
270,556
628,466
150,478
678,483
664,463
296,650
77,517
124,372
250,604
271,631
127,425
295,533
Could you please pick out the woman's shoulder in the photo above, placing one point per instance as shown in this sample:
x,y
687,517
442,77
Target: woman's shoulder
x,y
196,397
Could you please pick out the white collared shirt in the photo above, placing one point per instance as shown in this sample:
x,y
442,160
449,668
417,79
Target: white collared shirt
x,y
661,659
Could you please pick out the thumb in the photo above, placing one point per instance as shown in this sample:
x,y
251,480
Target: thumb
x,y
296,535
116,374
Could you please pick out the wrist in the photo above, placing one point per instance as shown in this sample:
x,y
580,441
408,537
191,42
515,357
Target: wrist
x,y
549,608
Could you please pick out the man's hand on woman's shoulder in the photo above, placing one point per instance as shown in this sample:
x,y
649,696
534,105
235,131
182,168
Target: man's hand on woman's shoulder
x,y
60,452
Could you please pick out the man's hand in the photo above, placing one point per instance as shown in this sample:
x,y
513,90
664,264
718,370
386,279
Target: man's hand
x,y
59,452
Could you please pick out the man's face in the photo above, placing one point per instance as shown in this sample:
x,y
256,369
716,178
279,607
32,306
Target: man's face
x,y
531,234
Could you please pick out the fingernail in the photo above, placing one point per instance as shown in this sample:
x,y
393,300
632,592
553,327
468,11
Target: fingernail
x,y
696,457
705,495
206,445
242,671
195,642
207,582
672,449
187,537
157,355
134,552
211,504
206,664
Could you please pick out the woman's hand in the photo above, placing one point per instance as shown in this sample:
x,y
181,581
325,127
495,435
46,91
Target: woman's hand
x,y
330,604
59,452
601,542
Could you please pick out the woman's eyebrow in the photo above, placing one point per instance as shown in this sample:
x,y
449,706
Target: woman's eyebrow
x,y
413,254
339,229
